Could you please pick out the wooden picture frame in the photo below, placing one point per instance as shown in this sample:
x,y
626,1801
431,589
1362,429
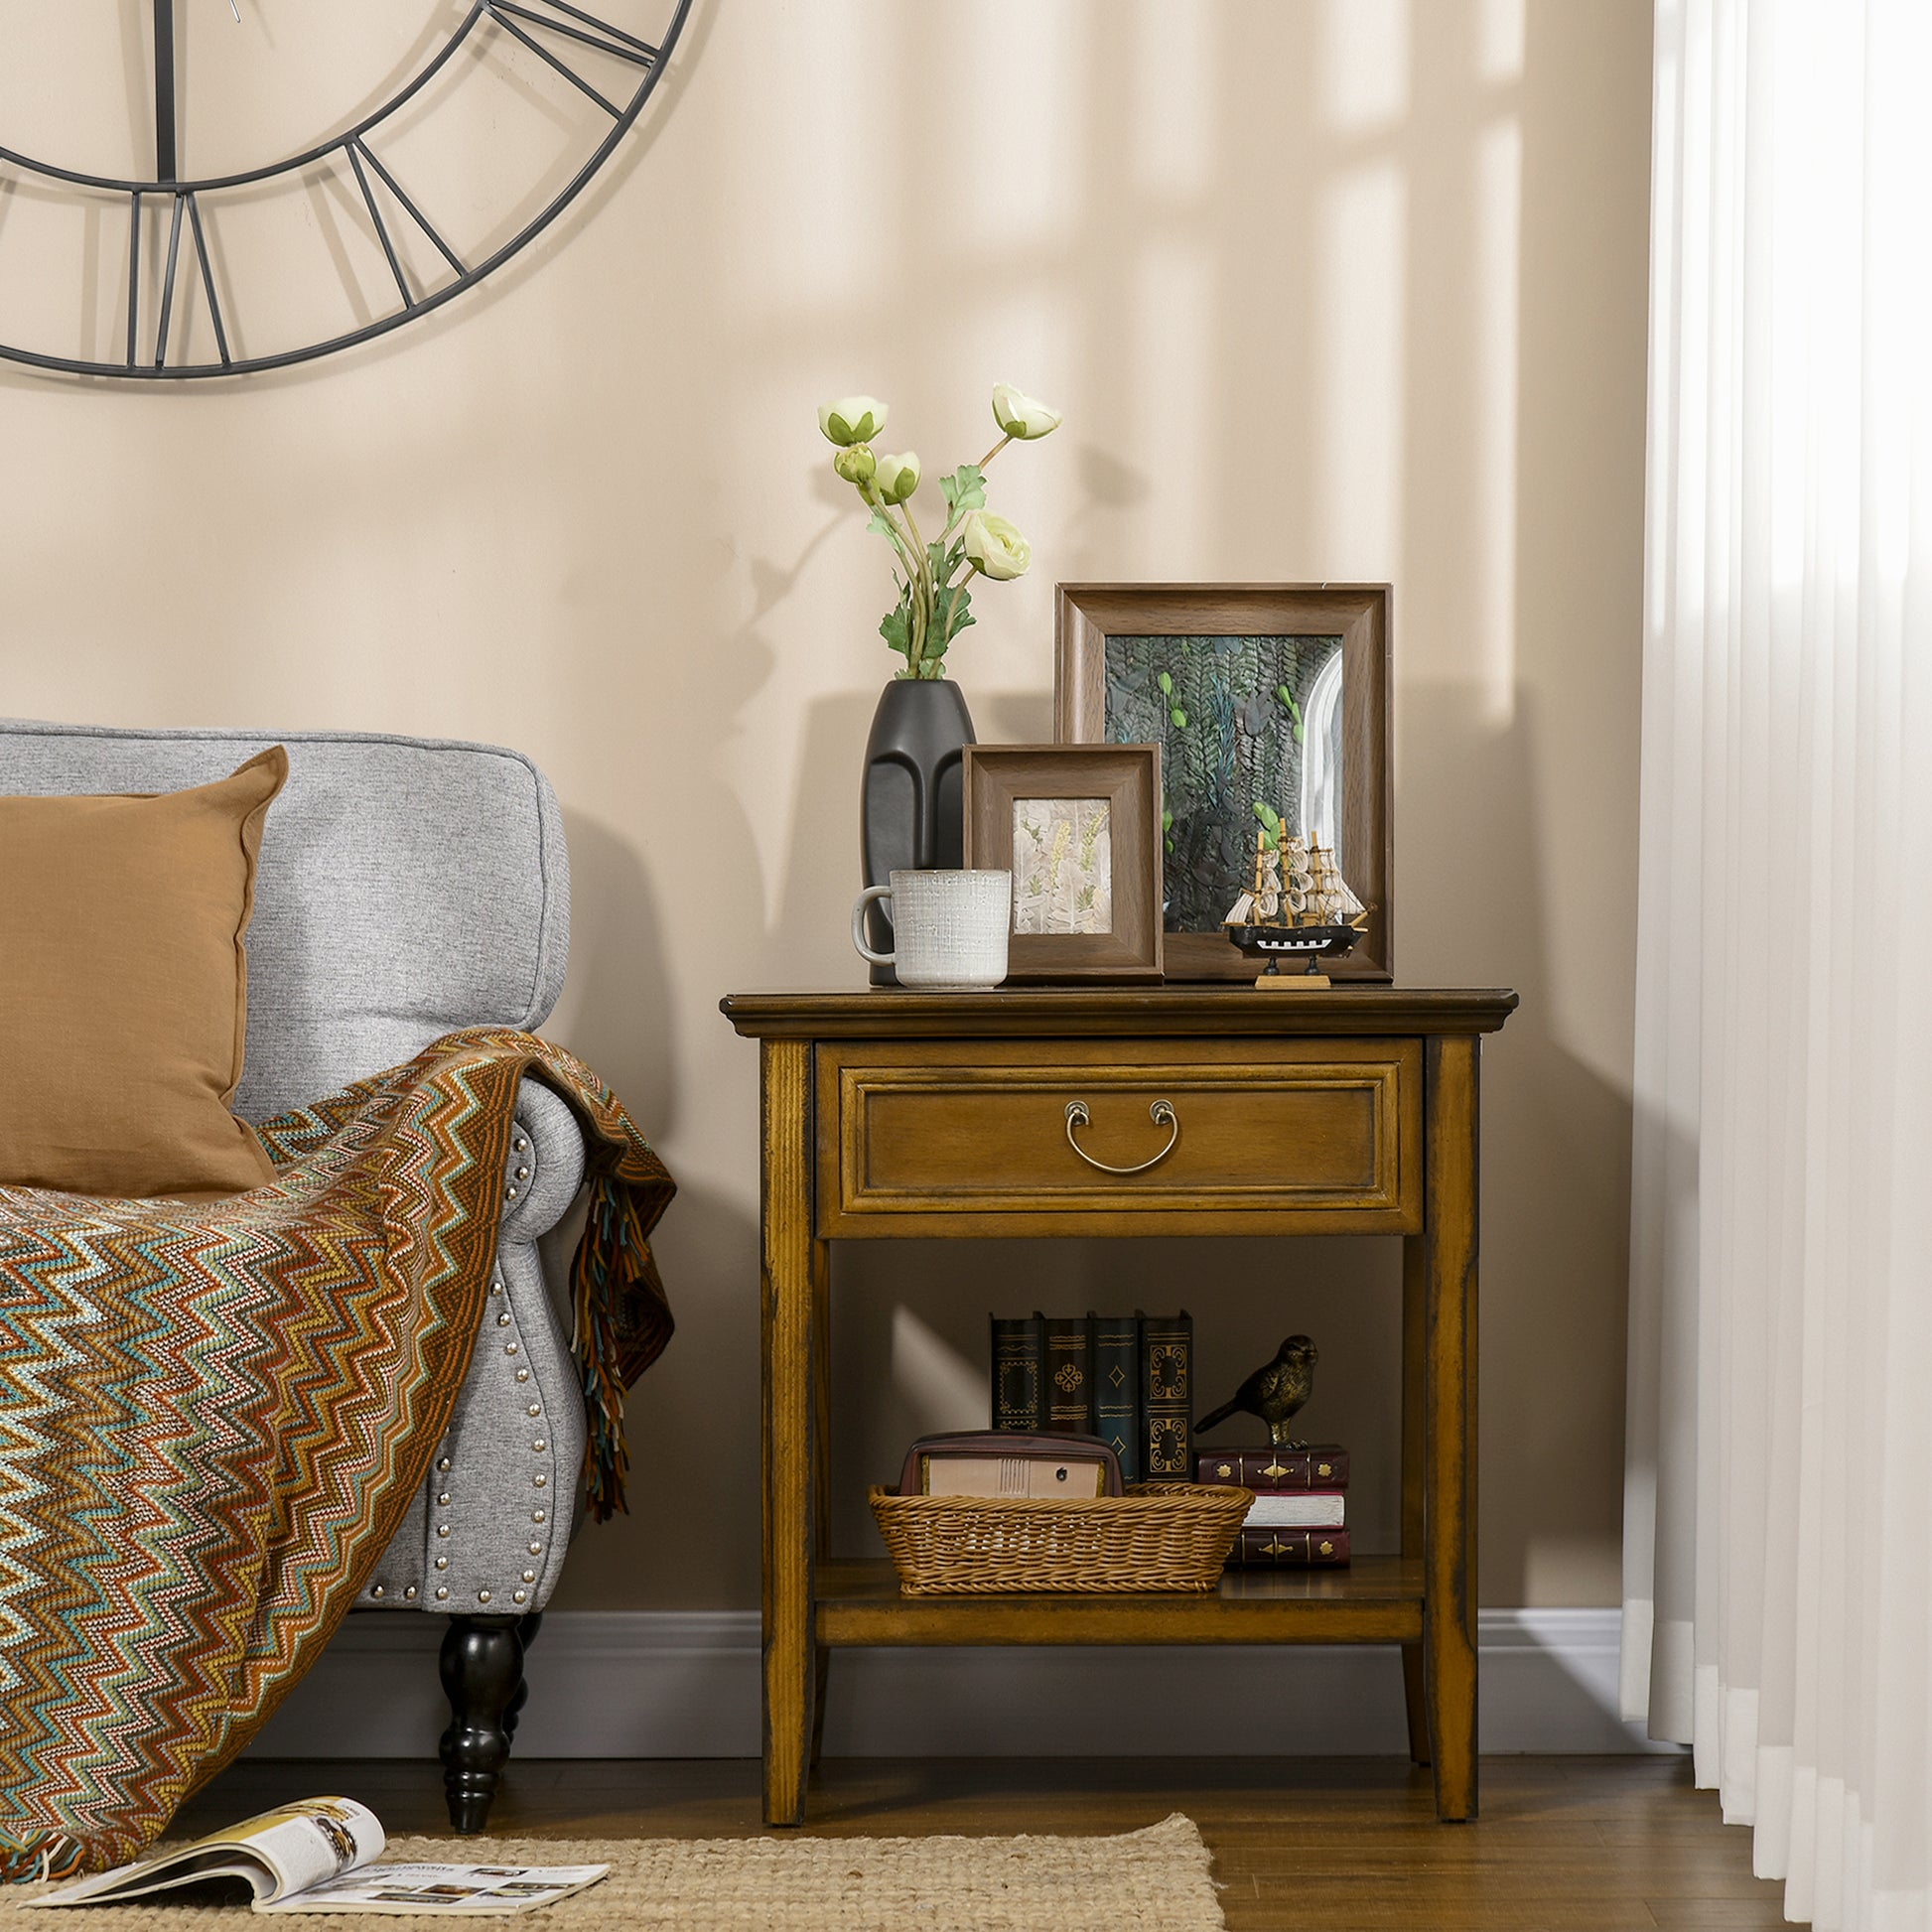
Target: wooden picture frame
x,y
1241,615
1121,894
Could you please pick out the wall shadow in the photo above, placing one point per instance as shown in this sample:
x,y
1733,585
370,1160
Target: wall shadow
x,y
1473,869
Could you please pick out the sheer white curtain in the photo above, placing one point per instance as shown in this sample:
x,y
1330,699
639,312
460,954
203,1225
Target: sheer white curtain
x,y
1778,1523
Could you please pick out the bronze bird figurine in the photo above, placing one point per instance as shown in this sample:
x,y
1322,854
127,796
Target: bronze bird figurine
x,y
1274,1391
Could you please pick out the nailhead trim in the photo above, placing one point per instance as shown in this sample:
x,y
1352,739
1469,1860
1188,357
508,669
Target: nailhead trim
x,y
503,1320
536,1516
509,1348
522,1173
536,1408
441,1592
511,1192
518,1596
442,1501
442,1563
523,1375
442,1461
530,1576
442,1529
375,1589
538,1445
482,1597
536,1549
541,1481
410,1593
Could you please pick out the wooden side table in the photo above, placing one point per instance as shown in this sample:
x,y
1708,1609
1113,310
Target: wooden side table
x,y
1350,1111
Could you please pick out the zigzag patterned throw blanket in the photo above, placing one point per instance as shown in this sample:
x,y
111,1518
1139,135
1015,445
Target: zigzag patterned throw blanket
x,y
214,1418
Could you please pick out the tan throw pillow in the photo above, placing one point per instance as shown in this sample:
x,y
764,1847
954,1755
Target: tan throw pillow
x,y
124,987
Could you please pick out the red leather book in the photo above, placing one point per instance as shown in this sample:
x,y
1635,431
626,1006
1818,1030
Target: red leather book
x,y
1287,1548
1325,1465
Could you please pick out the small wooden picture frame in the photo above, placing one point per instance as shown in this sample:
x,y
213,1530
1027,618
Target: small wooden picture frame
x,y
1167,661
1079,828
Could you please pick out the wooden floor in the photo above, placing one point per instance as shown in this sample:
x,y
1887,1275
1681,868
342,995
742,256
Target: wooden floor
x,y
1334,1844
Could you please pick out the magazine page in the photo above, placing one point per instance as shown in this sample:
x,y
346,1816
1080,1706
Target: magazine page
x,y
443,1890
277,1852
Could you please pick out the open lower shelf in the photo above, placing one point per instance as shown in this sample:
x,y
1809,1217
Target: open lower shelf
x,y
1376,1600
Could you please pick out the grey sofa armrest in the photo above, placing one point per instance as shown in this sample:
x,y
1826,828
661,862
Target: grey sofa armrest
x,y
488,1531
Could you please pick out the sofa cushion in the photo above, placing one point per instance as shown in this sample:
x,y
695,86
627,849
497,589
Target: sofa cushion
x,y
124,987
408,887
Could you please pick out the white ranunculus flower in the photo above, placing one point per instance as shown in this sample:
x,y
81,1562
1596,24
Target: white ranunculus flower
x,y
899,476
1022,416
995,548
852,419
856,463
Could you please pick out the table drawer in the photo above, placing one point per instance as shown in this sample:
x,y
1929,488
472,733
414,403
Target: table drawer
x,y
1306,1133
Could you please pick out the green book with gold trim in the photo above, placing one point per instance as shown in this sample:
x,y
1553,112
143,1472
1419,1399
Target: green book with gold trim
x,y
1016,1373
1166,1396
1067,1375
1117,1389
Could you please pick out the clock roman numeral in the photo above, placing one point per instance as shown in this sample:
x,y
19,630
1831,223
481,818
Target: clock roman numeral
x,y
133,274
359,154
607,39
168,285
618,45
352,150
183,202
208,281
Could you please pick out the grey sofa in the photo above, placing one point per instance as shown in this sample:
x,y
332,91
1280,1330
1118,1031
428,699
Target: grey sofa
x,y
408,887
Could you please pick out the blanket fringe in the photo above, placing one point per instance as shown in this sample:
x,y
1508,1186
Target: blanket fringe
x,y
50,1855
613,1262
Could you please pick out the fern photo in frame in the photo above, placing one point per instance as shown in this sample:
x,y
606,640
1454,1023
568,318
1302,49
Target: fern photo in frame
x,y
1270,695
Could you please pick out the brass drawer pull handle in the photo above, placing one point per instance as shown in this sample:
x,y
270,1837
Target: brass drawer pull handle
x,y
1161,1114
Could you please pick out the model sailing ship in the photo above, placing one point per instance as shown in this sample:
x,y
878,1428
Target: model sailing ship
x,y
1299,908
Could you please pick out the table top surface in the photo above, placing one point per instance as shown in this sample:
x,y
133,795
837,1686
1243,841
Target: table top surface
x,y
890,1013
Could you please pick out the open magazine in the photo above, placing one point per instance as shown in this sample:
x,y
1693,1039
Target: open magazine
x,y
318,1855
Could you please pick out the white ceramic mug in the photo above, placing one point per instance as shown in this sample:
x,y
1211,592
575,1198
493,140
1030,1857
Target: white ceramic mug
x,y
949,928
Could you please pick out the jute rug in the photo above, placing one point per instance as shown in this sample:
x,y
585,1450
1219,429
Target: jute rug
x,y
1156,1880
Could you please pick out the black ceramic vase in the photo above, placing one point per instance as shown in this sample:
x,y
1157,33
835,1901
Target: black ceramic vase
x,y
910,811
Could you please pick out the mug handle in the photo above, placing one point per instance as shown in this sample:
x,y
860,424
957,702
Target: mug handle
x,y
859,906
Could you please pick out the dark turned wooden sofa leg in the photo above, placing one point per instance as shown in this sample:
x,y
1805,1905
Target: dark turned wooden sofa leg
x,y
482,1666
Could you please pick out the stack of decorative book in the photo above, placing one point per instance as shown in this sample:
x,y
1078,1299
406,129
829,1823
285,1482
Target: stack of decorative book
x,y
1300,1508
1126,1378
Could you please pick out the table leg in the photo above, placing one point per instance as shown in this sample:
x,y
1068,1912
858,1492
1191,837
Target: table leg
x,y
1415,1423
1449,1266
795,1269
821,1465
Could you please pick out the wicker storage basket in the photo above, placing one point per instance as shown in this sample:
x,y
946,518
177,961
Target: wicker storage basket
x,y
1158,1536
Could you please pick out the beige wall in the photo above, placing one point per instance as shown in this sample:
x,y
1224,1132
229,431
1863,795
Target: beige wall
x,y
1352,291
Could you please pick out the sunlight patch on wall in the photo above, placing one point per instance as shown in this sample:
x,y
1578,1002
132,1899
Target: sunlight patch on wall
x,y
1498,249
1176,354
1502,28
937,1383
1363,81
1358,399
810,220
1019,131
1176,56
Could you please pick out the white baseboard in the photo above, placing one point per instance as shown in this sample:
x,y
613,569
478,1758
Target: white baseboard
x,y
686,1685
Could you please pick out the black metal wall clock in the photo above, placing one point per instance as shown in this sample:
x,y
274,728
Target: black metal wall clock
x,y
493,119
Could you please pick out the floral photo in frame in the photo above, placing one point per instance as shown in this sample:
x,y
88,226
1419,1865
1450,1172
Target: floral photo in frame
x,y
1078,827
